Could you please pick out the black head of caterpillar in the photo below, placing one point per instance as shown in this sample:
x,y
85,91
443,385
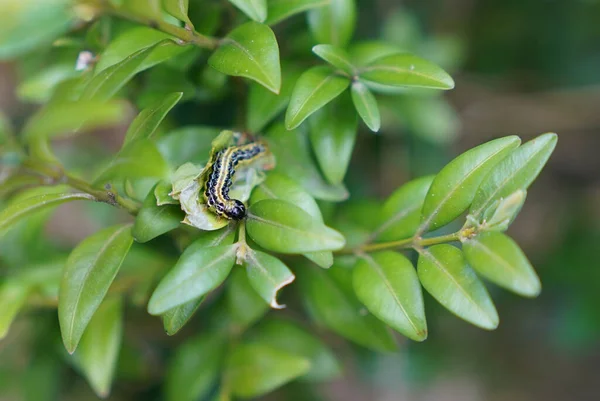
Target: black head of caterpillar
x,y
220,179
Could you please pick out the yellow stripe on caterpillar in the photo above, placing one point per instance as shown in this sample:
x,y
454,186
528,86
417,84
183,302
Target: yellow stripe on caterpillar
x,y
220,178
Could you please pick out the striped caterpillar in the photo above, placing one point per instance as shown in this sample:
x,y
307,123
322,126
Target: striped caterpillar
x,y
220,178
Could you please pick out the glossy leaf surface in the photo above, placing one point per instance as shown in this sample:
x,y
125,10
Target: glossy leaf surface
x,y
445,274
250,51
146,123
515,172
454,188
401,213
335,56
405,70
198,271
282,227
267,275
89,272
387,284
499,259
153,220
313,90
366,106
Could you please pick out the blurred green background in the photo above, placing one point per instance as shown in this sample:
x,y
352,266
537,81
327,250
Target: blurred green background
x,y
521,67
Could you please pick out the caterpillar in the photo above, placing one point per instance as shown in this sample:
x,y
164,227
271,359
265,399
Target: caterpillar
x,y
220,178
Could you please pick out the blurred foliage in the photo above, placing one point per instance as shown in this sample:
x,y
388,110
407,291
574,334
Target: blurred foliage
x,y
345,98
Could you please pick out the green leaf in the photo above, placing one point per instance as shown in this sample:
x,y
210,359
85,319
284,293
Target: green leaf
x,y
267,275
502,212
278,10
24,206
335,56
264,106
245,305
364,53
517,171
387,284
289,337
147,8
16,183
366,105
99,348
198,271
26,240
405,70
254,369
445,274
187,144
194,368
313,90
277,186
137,39
146,123
90,269
331,302
254,9
250,51
28,24
108,82
162,193
293,147
333,134
334,23
13,294
40,87
140,159
498,258
282,227
62,118
153,220
322,259
174,319
179,10
401,213
454,188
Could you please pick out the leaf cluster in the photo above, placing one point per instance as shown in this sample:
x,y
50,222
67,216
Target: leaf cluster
x,y
360,267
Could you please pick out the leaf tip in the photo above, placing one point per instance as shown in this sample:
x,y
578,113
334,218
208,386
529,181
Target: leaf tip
x,y
71,348
551,137
532,289
421,335
290,122
374,127
449,81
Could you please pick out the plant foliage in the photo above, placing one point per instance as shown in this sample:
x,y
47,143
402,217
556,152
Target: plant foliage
x,y
358,270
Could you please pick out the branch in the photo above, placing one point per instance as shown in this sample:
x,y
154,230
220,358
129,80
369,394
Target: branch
x,y
186,35
416,242
109,195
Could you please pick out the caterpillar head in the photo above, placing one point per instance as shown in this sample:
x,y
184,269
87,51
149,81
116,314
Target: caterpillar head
x,y
234,209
